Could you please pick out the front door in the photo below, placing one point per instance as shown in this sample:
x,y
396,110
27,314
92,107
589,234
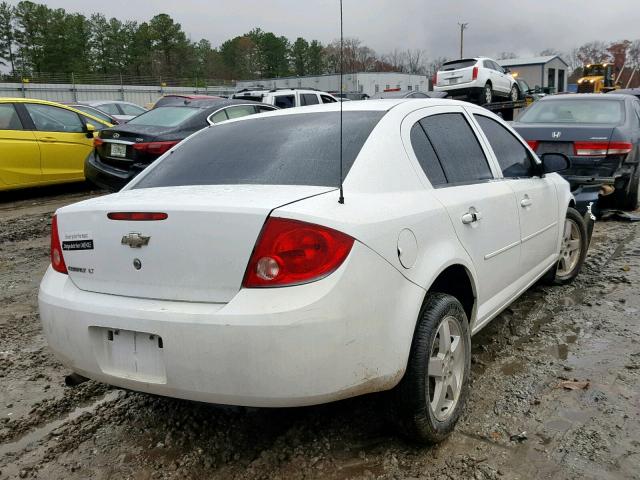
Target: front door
x,y
20,154
536,197
63,142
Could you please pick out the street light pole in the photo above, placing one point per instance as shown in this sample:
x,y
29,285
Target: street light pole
x,y
463,27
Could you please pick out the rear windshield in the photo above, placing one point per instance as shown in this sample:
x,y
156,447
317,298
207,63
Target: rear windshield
x,y
300,149
598,111
457,64
164,116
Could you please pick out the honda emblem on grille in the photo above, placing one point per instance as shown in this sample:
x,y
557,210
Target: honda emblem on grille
x,y
135,240
556,134
116,135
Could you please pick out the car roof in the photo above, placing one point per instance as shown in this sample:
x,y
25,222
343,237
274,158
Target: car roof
x,y
208,103
584,96
180,95
54,104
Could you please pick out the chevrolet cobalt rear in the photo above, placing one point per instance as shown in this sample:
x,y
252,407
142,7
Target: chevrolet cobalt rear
x,y
229,272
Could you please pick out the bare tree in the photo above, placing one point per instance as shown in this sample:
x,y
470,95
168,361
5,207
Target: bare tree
x,y
593,52
505,55
415,61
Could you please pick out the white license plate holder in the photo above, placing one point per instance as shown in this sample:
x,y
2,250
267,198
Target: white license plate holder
x,y
129,354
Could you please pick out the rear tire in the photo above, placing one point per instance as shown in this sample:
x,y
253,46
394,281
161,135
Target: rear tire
x,y
630,199
429,399
486,96
573,250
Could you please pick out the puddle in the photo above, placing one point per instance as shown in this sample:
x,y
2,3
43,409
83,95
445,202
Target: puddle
x,y
41,432
559,351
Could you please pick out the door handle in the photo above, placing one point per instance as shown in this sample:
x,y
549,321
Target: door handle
x,y
526,202
47,139
471,217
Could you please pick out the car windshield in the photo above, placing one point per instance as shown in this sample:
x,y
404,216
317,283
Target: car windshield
x,y
458,64
608,112
299,149
165,116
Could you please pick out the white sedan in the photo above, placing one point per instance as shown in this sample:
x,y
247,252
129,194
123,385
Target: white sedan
x,y
228,271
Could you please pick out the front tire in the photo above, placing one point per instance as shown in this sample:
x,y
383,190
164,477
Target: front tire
x,y
430,397
515,94
573,250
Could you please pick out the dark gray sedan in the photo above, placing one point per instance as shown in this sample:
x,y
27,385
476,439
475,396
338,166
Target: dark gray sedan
x,y
601,136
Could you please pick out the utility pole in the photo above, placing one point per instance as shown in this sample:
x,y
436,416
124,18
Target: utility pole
x,y
463,27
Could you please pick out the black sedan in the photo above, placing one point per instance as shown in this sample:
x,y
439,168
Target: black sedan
x,y
601,136
124,151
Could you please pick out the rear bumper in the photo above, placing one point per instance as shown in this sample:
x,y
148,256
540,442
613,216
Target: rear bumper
x,y
345,335
468,89
106,176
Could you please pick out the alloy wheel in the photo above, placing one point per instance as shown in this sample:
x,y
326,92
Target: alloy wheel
x,y
446,368
570,250
488,94
514,94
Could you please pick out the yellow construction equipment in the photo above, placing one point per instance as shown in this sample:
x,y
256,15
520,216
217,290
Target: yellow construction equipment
x,y
597,77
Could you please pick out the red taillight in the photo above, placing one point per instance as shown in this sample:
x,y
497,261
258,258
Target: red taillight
x,y
290,252
600,149
97,142
57,260
155,148
619,148
137,216
533,144
474,75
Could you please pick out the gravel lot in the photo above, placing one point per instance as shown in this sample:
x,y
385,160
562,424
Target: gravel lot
x,y
522,421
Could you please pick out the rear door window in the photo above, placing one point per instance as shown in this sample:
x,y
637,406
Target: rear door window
x,y
426,156
514,159
296,149
9,119
110,108
308,99
285,101
327,99
131,109
457,147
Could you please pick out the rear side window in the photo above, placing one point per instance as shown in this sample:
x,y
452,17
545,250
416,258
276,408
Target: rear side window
x,y
219,116
285,101
513,157
131,109
9,119
328,99
241,111
308,99
426,155
110,108
299,149
457,147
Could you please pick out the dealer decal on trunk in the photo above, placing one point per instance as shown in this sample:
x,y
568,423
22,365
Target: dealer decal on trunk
x,y
77,241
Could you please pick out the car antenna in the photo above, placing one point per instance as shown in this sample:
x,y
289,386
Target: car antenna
x,y
341,197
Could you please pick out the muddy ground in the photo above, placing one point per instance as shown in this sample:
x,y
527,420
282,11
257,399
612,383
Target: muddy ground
x,y
520,422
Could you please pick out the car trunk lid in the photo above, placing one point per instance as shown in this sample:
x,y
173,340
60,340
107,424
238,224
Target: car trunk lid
x,y
198,253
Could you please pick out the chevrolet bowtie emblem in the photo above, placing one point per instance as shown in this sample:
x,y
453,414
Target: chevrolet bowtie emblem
x,y
135,240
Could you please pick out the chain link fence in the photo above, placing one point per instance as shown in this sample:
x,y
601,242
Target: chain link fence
x,y
143,90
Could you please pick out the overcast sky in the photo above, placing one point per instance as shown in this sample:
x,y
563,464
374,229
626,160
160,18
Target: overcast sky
x,y
523,27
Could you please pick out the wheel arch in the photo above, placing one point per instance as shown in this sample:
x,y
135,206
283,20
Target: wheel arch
x,y
456,280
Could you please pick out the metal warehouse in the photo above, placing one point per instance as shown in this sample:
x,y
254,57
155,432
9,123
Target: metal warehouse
x,y
546,72
369,83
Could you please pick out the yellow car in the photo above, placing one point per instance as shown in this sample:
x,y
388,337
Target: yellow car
x,y
43,143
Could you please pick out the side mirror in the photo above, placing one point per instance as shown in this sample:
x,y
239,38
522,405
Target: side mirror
x,y
89,130
506,69
554,162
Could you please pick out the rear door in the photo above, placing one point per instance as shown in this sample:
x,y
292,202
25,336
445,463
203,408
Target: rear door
x,y
536,196
63,141
481,210
19,151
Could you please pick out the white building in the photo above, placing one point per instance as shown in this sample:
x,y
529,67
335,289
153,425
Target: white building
x,y
546,72
370,83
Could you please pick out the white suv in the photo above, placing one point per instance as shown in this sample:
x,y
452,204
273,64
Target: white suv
x,y
286,97
480,79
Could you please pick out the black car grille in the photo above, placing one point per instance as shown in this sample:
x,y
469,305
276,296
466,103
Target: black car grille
x,y
585,87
